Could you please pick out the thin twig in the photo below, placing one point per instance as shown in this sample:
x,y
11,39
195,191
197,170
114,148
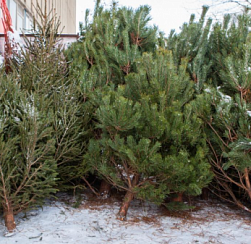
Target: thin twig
x,y
92,189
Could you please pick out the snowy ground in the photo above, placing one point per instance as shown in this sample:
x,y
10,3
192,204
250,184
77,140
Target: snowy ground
x,y
95,223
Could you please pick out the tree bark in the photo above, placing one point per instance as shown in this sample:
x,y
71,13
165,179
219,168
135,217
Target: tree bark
x,y
105,189
248,184
9,218
127,199
205,194
179,197
125,205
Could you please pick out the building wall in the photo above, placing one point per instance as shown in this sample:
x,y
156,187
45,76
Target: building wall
x,y
25,9
65,40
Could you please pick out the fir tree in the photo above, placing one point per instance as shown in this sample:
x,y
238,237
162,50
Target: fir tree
x,y
42,128
55,85
28,169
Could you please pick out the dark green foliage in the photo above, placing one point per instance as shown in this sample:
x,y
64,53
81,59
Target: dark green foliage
x,y
219,63
111,44
41,120
44,70
192,43
228,40
155,134
229,118
126,105
28,169
147,137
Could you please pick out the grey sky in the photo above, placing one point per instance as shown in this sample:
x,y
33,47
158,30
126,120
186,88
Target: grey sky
x,y
167,14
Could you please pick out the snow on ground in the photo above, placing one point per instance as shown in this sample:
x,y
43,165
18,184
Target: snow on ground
x,y
95,223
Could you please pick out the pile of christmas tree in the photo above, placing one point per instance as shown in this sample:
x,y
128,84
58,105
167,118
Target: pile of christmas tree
x,y
153,117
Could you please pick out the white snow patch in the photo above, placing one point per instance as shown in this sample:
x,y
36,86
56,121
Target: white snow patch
x,y
58,223
14,36
225,98
16,119
1,60
249,113
15,40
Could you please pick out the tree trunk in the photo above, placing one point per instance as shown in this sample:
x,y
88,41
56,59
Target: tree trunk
x,y
205,194
125,205
105,189
9,218
179,197
127,199
248,184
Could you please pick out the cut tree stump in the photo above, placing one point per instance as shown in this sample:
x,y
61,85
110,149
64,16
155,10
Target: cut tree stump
x,y
105,189
179,197
127,199
9,218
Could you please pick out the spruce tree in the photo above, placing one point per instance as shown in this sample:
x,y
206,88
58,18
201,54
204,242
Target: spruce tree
x,y
41,123
54,84
28,169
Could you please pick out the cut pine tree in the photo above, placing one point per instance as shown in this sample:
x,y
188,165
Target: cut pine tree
x,y
127,199
145,108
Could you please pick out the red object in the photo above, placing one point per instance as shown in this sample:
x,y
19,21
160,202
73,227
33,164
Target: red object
x,y
7,26
6,18
1,23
